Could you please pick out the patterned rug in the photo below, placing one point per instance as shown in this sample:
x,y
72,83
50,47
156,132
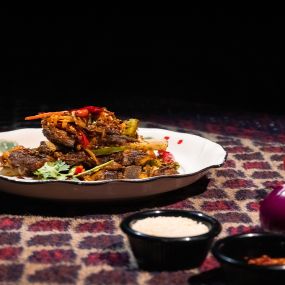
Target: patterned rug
x,y
71,243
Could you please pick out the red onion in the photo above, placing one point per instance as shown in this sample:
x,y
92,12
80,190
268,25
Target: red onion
x,y
272,210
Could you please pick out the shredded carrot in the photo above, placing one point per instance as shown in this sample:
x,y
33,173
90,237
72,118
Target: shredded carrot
x,y
43,115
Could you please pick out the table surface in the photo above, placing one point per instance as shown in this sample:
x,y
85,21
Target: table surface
x,y
53,242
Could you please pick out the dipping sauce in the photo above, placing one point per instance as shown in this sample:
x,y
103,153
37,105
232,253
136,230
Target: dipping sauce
x,y
266,260
172,227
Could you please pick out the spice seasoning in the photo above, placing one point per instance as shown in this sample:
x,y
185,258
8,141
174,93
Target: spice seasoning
x,y
162,226
266,260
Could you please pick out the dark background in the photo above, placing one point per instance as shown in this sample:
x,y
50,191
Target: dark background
x,y
143,64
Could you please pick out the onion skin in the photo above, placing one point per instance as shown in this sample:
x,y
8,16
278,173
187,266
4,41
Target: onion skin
x,y
272,211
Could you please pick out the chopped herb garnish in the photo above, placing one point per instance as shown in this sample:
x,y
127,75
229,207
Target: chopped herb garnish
x,y
58,170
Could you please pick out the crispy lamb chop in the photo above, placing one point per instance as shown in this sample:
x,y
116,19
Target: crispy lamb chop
x,y
24,161
87,127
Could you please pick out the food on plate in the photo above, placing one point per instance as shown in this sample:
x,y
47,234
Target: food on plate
x,y
266,260
89,144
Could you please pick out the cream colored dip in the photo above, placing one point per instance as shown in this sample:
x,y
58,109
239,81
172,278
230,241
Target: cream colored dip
x,y
163,226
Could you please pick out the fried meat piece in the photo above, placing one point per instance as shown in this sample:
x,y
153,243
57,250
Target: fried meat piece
x,y
25,161
58,136
47,148
75,158
135,157
132,172
167,169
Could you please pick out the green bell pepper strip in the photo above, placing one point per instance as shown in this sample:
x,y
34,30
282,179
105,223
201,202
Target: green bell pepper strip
x,y
108,150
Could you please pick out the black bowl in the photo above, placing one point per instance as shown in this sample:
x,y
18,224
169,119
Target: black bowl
x,y
233,251
164,253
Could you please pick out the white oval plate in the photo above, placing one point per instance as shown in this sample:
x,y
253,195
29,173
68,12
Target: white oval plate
x,y
194,154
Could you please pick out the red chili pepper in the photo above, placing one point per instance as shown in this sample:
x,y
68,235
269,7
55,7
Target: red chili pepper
x,y
83,113
166,156
93,109
83,140
79,169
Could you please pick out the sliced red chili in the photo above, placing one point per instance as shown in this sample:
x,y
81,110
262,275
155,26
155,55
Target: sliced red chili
x,y
83,140
79,169
83,113
166,156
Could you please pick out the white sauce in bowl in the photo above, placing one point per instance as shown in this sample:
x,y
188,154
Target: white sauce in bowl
x,y
172,227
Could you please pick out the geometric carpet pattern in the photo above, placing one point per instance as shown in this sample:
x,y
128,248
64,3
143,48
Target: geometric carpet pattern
x,y
87,246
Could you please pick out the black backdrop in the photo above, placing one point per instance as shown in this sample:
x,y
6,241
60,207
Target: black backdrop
x,y
151,64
